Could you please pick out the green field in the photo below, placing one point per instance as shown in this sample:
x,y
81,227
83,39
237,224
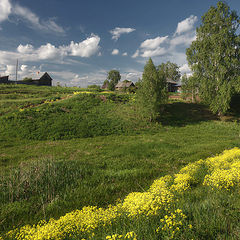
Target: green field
x,y
61,151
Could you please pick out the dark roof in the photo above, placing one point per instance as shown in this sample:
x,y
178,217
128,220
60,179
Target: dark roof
x,y
4,78
171,81
124,84
45,76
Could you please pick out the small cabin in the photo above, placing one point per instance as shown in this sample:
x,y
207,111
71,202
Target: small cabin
x,y
172,85
4,79
124,85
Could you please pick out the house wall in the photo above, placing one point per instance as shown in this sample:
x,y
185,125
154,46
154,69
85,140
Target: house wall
x,y
38,82
4,79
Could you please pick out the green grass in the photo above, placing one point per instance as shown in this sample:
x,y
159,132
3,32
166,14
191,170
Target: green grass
x,y
105,152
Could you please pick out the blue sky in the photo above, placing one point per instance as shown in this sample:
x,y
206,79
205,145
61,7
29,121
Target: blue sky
x,y
78,41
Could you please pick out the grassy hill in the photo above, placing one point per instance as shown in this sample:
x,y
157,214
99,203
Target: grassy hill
x,y
62,151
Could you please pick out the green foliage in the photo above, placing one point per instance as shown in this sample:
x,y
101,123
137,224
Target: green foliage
x,y
82,116
190,86
152,91
94,87
171,70
113,78
27,79
214,56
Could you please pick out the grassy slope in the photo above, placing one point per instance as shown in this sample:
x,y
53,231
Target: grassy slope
x,y
97,171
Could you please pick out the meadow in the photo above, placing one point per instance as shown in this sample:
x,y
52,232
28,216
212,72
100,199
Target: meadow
x,y
63,149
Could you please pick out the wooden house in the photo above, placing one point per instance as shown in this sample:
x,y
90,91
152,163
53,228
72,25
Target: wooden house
x,y
4,79
44,80
124,85
172,85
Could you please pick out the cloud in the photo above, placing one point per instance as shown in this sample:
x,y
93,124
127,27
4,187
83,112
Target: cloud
x,y
75,79
184,69
49,52
153,43
115,52
125,54
185,39
23,13
5,10
28,48
23,71
151,47
132,75
166,46
136,54
53,26
153,53
117,32
34,20
186,25
86,48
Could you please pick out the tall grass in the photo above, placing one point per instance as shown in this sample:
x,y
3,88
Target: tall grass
x,y
187,205
41,183
91,150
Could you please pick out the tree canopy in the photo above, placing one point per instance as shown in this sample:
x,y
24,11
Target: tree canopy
x,y
152,91
214,56
190,87
171,70
113,78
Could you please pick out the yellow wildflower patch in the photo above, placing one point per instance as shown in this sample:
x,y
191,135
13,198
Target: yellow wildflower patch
x,y
223,172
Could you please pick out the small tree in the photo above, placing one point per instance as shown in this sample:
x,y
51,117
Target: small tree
x,y
190,87
152,91
215,55
113,78
27,79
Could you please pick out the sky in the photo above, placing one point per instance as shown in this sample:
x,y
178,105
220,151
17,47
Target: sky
x,y
77,41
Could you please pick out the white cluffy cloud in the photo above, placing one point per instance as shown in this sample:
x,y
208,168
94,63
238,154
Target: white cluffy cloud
x,y
44,52
28,48
117,32
23,71
25,14
153,43
5,10
151,47
86,48
168,46
185,39
26,53
115,52
184,69
186,25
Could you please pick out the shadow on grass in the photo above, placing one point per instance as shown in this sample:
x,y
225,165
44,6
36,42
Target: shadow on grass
x,y
234,111
181,114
